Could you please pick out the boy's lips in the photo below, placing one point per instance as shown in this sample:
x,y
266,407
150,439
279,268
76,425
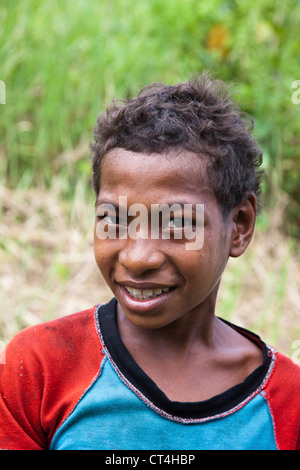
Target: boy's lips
x,y
144,296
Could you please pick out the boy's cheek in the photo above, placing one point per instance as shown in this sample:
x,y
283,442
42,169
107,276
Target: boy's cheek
x,y
105,257
99,254
104,268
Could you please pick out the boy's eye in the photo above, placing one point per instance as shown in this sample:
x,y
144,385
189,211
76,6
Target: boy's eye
x,y
174,222
178,223
111,219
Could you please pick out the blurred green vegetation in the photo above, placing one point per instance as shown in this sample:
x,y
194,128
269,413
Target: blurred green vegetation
x,y
63,62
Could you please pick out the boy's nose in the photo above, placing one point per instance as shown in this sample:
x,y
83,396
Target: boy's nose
x,y
139,256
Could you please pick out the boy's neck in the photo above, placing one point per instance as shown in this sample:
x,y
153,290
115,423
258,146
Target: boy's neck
x,y
170,355
179,336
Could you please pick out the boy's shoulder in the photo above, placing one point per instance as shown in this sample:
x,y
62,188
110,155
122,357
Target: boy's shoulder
x,y
284,378
286,364
47,368
282,392
60,333
56,346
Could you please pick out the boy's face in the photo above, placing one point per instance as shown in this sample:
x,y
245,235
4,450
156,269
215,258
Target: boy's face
x,y
187,279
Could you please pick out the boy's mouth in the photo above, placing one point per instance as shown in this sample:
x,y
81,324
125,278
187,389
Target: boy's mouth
x,y
145,298
146,294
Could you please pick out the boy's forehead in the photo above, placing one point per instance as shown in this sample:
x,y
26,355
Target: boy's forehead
x,y
174,176
182,166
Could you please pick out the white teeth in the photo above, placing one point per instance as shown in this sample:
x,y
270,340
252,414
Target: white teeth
x,y
146,291
145,294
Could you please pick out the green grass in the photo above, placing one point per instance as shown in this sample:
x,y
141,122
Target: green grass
x,y
63,62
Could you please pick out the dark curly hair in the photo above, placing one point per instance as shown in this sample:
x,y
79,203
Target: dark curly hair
x,y
198,116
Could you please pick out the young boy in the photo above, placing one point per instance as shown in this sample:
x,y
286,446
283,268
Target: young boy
x,y
155,368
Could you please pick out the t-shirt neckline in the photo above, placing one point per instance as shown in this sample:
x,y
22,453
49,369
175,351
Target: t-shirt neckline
x,y
141,384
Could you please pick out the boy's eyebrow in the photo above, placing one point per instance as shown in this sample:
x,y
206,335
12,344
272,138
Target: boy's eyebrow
x,y
182,204
169,204
99,202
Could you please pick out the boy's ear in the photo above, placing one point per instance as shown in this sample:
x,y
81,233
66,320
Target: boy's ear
x,y
243,223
